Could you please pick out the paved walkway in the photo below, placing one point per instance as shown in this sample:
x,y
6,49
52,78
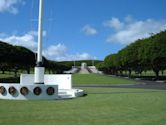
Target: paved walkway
x,y
84,71
141,84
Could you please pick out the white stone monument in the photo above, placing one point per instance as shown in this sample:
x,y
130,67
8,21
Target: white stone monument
x,y
83,65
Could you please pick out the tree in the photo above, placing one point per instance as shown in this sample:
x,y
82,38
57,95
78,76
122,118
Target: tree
x,y
101,67
143,54
157,52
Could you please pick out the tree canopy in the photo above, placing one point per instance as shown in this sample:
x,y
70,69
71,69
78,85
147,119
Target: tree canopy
x,y
143,54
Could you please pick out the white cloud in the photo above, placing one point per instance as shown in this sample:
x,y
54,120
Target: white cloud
x,y
35,33
55,50
10,5
133,30
77,56
80,56
27,40
114,23
129,19
89,30
59,53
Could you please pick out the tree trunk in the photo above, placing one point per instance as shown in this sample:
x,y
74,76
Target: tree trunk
x,y
49,71
162,72
140,73
145,72
129,75
157,74
15,73
28,70
121,73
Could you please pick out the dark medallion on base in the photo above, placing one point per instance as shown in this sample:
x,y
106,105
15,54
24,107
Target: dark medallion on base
x,y
50,90
37,91
12,90
2,90
24,91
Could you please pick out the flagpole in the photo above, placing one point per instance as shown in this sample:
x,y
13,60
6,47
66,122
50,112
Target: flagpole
x,y
39,69
40,32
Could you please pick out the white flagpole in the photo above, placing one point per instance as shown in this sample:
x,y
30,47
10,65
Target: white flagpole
x,y
39,69
40,32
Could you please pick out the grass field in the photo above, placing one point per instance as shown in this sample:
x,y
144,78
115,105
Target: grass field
x,y
90,79
6,75
102,106
99,79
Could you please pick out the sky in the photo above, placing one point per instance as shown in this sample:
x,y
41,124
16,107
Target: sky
x,y
80,29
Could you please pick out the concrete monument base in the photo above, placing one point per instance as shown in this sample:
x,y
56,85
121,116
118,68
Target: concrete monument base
x,y
54,87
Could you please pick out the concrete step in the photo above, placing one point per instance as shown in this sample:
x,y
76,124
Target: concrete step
x,y
62,93
65,96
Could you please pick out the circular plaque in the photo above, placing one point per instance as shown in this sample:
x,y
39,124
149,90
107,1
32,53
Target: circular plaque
x,y
37,91
24,91
2,90
12,90
50,90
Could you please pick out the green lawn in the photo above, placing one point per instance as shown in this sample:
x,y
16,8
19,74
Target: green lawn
x,y
102,106
89,79
6,75
99,79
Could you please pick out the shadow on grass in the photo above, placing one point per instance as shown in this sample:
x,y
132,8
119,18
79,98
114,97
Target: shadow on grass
x,y
109,93
150,78
10,80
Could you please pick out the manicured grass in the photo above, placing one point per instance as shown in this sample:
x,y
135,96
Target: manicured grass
x,y
102,106
6,75
99,79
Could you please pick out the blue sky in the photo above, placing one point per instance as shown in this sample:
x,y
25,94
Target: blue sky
x,y
81,29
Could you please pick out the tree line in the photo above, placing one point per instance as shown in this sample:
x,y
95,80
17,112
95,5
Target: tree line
x,y
14,58
142,55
